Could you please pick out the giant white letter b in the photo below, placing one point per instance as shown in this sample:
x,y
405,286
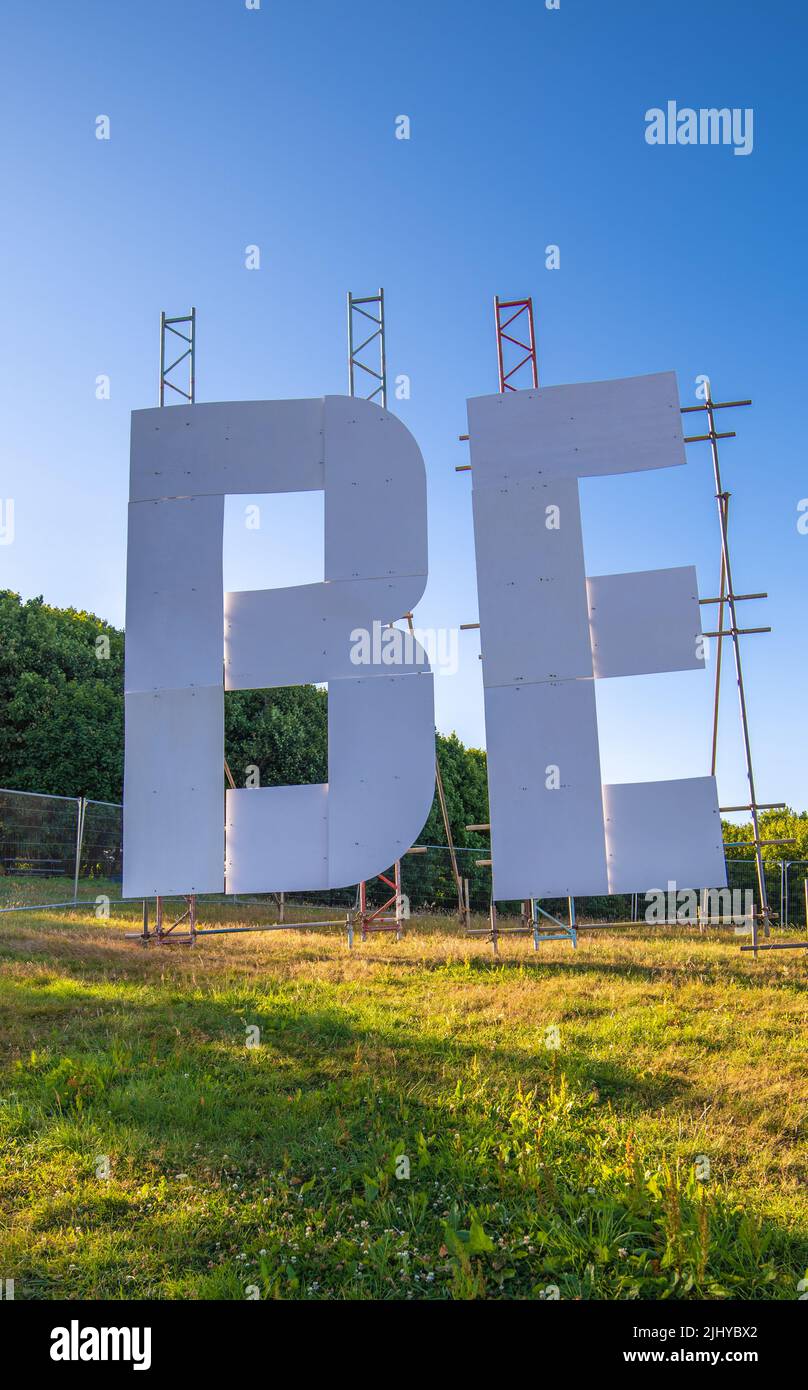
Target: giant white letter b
x,y
178,832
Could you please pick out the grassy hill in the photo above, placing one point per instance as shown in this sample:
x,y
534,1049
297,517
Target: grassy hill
x,y
406,1127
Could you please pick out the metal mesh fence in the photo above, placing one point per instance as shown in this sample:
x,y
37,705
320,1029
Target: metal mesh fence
x,y
101,854
56,849
38,840
795,893
38,834
61,849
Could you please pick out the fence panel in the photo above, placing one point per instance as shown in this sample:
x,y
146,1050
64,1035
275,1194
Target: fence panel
x,y
56,849
101,856
38,839
795,876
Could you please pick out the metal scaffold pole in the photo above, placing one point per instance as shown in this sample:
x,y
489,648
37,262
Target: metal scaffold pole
x,y
727,598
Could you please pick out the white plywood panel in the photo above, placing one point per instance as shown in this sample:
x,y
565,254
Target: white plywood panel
x,y
583,430
277,839
645,623
534,623
173,808
546,841
311,633
661,832
381,771
174,594
227,447
375,501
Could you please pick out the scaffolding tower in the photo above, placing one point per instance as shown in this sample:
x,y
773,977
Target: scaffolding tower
x,y
516,350
175,327
183,327
370,356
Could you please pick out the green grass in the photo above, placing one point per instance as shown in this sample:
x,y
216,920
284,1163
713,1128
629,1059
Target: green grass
x,y
31,890
279,1170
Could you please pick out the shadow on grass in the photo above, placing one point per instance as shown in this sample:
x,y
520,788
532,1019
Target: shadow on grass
x,y
160,1064
212,1142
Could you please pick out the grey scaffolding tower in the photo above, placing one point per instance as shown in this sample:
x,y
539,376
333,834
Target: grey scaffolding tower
x,y
369,355
183,327
188,354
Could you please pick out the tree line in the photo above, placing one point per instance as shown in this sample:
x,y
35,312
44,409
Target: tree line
x,y
61,729
61,721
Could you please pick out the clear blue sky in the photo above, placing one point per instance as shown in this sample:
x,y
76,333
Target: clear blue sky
x,y
275,127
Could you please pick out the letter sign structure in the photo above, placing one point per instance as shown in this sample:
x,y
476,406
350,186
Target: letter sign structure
x,y
548,632
186,642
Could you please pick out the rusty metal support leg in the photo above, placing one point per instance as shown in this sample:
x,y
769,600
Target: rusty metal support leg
x,y
399,903
363,907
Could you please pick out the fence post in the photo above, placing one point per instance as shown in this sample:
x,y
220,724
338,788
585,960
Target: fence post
x,y
82,803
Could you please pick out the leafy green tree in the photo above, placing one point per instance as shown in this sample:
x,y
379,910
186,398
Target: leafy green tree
x,y
284,733
774,825
61,702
